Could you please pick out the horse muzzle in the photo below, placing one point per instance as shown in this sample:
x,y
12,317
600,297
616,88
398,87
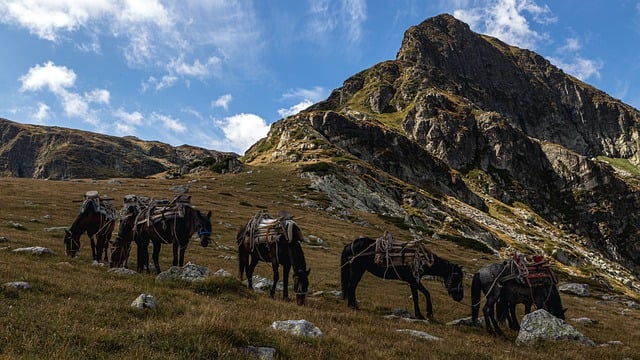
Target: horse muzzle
x,y
457,294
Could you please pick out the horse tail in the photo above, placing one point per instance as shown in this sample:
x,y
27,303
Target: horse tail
x,y
243,255
344,271
476,289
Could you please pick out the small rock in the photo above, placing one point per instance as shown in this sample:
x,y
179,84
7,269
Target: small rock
x,y
419,334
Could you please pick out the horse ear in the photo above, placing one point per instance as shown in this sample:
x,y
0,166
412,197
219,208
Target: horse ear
x,y
67,232
308,271
209,214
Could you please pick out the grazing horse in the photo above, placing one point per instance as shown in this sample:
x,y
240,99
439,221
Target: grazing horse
x,y
171,223
503,287
359,256
506,310
96,218
280,247
121,246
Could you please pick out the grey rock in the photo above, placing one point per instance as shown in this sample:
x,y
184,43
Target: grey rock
x,y
297,327
419,334
145,301
575,289
541,325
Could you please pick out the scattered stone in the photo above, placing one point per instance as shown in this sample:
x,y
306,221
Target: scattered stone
x,y
583,321
223,273
468,322
145,301
190,272
19,285
3,239
263,284
632,304
35,250
15,225
541,325
180,188
575,289
419,334
121,271
98,263
313,240
262,353
612,342
58,229
297,327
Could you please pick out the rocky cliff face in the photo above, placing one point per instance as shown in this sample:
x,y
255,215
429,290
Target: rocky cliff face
x,y
56,153
473,138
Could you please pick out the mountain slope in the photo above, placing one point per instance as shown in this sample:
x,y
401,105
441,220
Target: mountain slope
x,y
58,153
466,137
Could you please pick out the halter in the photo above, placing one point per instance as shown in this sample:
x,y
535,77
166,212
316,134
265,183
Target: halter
x,y
449,279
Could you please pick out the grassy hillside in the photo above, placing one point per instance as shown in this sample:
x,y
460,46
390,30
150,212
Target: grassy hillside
x,y
79,311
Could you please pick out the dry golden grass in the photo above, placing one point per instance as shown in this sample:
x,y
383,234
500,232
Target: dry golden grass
x,y
79,311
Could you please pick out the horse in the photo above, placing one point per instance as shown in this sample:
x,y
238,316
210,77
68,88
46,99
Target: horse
x,y
96,218
359,256
280,248
169,223
503,287
121,246
506,309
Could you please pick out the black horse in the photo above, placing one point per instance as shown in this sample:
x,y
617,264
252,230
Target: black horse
x,y
285,249
506,307
503,288
96,218
359,256
175,228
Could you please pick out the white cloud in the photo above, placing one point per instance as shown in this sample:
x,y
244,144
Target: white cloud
x,y
169,123
295,108
506,20
197,69
127,121
166,82
579,67
223,101
315,94
327,17
240,132
57,80
49,76
42,113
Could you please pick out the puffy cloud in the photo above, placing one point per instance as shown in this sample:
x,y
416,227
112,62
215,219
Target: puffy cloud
x,y
42,113
240,132
223,101
169,123
49,76
506,20
295,108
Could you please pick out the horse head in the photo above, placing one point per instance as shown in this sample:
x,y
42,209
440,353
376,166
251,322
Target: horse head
x,y
453,282
71,243
203,226
301,284
554,304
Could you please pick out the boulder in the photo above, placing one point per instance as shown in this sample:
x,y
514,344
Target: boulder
x,y
540,325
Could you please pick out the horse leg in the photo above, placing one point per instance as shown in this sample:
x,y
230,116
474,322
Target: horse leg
x,y
488,312
181,255
143,253
354,279
416,305
250,268
276,276
176,249
513,320
94,255
427,295
156,255
285,281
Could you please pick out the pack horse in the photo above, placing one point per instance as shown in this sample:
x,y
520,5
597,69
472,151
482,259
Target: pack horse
x,y
276,241
407,261
97,218
169,222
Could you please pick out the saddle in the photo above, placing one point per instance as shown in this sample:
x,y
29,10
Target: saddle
x,y
263,228
389,253
163,209
131,201
102,205
531,270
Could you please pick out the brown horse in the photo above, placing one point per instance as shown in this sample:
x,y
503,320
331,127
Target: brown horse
x,y
174,225
280,245
121,246
96,218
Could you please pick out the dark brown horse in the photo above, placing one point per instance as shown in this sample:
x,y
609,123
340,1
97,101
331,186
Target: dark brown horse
x,y
121,246
503,286
280,245
358,257
97,218
175,225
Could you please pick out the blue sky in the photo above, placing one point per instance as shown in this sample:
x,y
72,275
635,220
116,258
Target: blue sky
x,y
218,73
